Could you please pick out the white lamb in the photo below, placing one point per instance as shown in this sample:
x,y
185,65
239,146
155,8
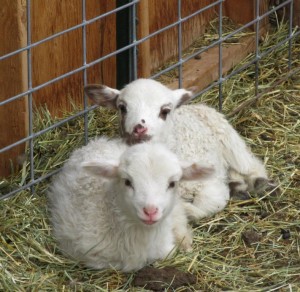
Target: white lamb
x,y
117,206
149,110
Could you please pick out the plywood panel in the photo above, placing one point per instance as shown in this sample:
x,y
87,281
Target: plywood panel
x,y
162,13
244,11
65,53
144,52
58,56
101,40
296,19
13,80
202,72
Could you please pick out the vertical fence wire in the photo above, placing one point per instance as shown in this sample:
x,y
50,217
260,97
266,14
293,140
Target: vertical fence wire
x,y
134,65
30,102
179,39
85,102
220,32
131,47
257,51
290,34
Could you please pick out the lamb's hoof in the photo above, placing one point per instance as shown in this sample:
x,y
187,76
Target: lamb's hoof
x,y
266,185
260,184
237,186
186,247
240,196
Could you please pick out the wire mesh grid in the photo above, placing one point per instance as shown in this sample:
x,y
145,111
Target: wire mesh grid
x,y
33,179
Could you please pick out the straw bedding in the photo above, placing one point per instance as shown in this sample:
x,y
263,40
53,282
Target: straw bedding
x,y
253,245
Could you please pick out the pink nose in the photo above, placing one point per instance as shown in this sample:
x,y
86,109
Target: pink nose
x,y
150,211
139,129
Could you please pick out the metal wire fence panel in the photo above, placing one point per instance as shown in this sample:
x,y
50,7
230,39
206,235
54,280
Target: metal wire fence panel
x,y
44,71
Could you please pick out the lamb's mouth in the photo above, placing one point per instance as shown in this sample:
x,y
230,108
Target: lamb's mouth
x,y
149,222
132,139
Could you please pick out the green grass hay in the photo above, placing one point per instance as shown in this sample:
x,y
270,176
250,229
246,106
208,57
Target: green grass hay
x,y
223,258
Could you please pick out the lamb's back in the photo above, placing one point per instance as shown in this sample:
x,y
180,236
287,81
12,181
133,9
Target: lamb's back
x,y
194,139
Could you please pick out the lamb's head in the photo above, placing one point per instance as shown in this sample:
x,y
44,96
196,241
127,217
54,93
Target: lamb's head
x,y
145,180
145,107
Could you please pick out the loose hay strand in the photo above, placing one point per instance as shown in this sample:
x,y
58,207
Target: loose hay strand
x,y
221,259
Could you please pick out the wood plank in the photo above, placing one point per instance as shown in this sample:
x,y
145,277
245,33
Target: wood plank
x,y
296,19
65,53
144,56
13,80
202,72
58,56
162,13
233,9
101,40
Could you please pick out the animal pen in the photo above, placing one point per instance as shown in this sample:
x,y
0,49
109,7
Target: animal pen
x,y
244,57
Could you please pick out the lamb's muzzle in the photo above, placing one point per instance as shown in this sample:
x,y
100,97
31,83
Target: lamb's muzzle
x,y
139,130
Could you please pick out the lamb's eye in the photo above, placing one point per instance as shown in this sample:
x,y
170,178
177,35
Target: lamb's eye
x,y
164,112
122,108
127,183
172,184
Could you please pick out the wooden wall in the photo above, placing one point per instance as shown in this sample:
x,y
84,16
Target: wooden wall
x,y
49,60
162,13
13,81
246,12
65,53
156,14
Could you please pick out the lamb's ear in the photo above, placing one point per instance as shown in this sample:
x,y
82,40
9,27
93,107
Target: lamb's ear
x,y
183,96
107,169
102,95
196,171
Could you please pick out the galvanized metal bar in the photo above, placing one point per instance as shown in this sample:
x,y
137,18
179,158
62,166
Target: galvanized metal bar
x,y
262,54
129,46
150,35
179,43
29,98
134,42
39,133
220,32
133,47
290,33
85,102
29,185
78,26
257,56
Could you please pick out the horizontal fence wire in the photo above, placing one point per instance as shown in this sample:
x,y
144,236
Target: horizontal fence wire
x,y
133,45
138,42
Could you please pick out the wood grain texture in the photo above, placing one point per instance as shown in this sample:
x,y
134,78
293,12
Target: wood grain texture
x,y
243,11
144,52
13,80
202,72
49,60
65,53
101,40
296,19
162,13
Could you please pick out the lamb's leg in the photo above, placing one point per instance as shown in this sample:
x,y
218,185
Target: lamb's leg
x,y
182,231
242,163
246,173
209,198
